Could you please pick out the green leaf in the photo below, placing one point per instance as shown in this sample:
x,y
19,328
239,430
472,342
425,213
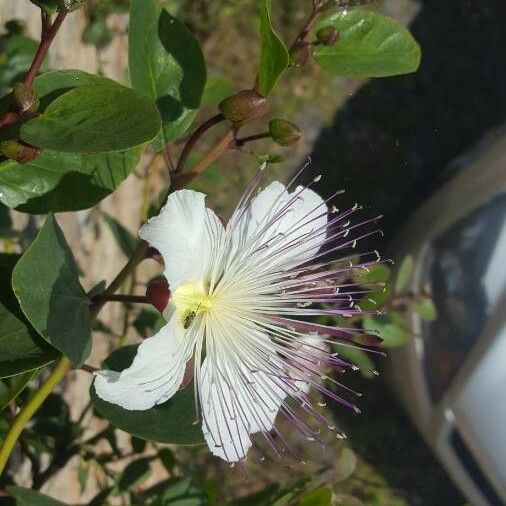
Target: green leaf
x,y
11,387
45,281
101,117
167,65
58,182
21,348
404,274
274,57
50,6
319,497
16,55
357,357
426,309
376,273
216,89
170,422
125,240
148,322
374,300
133,474
27,497
392,327
370,45
346,464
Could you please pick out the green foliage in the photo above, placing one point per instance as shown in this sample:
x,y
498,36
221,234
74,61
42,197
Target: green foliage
x,y
16,55
94,118
58,182
370,45
27,497
125,240
170,422
359,358
166,64
133,474
392,327
11,387
21,348
216,90
319,497
425,307
49,6
274,57
404,274
50,294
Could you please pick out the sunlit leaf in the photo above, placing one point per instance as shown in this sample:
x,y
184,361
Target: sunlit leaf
x,y
166,64
97,118
369,45
46,283
426,309
274,57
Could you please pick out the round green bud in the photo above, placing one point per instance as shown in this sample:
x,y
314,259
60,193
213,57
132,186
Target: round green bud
x,y
284,132
244,106
328,35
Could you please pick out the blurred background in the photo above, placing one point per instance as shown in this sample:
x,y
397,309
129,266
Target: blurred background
x,y
428,151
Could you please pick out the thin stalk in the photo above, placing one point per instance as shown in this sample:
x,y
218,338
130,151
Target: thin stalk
x,y
24,416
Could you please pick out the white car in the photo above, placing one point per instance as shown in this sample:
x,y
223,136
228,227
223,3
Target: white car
x,y
451,376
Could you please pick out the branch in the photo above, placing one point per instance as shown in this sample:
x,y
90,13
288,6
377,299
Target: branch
x,y
201,130
213,155
24,416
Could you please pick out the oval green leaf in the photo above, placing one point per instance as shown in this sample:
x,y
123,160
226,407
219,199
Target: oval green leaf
x,y
167,65
404,274
274,56
94,118
170,422
46,284
370,45
392,327
21,347
58,182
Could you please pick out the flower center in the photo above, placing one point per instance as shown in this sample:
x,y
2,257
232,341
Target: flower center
x,y
190,300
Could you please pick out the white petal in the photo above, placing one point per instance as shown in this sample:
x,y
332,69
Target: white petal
x,y
154,376
184,233
235,404
299,233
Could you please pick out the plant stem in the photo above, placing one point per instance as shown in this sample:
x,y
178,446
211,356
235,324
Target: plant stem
x,y
213,155
49,32
136,299
201,130
45,42
240,142
137,257
63,366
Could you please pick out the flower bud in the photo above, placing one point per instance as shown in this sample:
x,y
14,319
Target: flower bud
x,y
328,35
26,99
300,53
284,132
158,293
244,106
18,152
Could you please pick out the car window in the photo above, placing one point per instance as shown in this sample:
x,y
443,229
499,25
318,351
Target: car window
x,y
463,272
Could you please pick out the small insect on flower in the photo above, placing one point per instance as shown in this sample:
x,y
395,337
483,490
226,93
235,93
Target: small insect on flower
x,y
242,299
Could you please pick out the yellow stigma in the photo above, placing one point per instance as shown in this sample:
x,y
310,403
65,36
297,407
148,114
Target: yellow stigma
x,y
190,300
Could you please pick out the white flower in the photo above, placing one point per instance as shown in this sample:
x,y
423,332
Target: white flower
x,y
238,294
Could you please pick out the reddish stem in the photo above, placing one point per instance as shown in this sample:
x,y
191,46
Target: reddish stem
x,y
201,130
